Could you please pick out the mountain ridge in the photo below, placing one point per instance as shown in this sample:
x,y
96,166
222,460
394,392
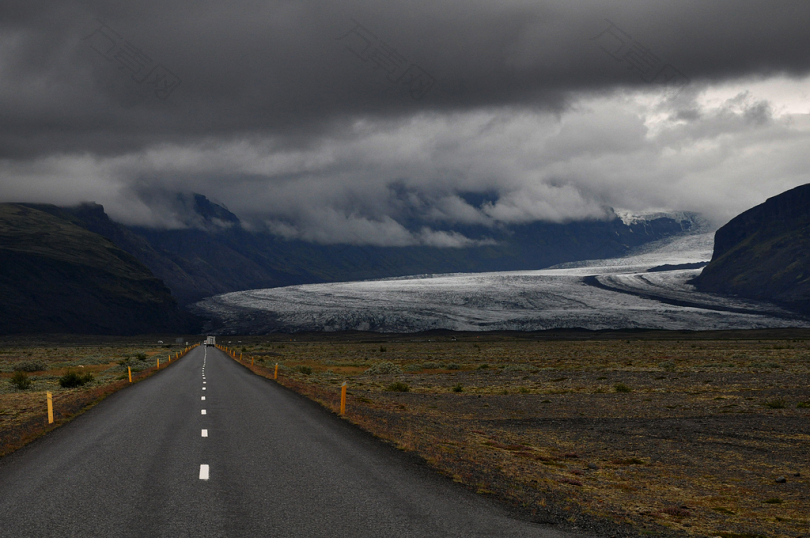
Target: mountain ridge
x,y
220,255
57,276
764,253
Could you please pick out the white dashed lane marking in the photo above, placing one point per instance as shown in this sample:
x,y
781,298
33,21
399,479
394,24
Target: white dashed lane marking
x,y
202,398
202,412
205,433
203,472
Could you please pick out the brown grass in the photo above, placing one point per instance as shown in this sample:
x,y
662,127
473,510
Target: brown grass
x,y
694,448
23,414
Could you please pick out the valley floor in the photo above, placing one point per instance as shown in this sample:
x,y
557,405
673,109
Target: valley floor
x,y
685,435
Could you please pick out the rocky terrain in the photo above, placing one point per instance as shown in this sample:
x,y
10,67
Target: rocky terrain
x,y
764,253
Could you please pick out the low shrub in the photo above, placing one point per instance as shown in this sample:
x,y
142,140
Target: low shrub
x,y
384,367
676,511
518,367
668,366
306,370
398,386
72,379
30,366
20,380
453,366
803,405
621,387
776,404
458,388
482,367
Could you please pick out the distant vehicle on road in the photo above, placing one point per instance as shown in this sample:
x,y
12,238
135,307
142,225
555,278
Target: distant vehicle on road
x,y
210,341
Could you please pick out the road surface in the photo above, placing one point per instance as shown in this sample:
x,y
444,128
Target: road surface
x,y
206,448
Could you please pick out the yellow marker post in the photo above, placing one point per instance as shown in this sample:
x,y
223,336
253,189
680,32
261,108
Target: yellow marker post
x,y
275,375
176,355
158,362
343,399
50,408
251,361
129,371
240,355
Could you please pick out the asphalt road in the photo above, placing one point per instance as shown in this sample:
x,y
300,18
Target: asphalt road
x,y
277,464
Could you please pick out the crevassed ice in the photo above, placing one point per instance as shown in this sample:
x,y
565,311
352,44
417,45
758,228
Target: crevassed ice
x,y
559,297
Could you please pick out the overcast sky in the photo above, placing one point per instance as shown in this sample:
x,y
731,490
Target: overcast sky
x,y
349,121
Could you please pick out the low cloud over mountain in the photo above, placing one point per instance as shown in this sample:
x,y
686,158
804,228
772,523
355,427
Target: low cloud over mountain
x,y
389,124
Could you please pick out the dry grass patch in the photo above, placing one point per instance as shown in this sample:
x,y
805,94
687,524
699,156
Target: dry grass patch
x,y
89,371
694,446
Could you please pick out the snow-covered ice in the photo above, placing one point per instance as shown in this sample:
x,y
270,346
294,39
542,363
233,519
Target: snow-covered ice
x,y
598,294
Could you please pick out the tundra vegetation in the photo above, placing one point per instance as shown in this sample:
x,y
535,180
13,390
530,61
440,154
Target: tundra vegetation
x,y
79,373
653,433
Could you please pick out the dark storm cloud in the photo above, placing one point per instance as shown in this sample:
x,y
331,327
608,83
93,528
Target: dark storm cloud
x,y
388,123
287,68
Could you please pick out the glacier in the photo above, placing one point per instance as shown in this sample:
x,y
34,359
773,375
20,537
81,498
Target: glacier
x,y
617,293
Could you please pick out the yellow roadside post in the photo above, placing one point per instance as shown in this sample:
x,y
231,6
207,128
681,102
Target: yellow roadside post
x,y
129,371
50,408
158,362
343,399
275,375
251,361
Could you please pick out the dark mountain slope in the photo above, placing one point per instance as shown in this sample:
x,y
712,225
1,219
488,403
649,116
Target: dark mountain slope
x,y
56,276
215,254
764,253
234,259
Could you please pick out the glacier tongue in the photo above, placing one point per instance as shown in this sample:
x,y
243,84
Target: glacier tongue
x,y
599,294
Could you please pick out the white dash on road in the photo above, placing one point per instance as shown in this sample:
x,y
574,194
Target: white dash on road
x,y
203,382
202,397
205,433
203,472
202,412
203,388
